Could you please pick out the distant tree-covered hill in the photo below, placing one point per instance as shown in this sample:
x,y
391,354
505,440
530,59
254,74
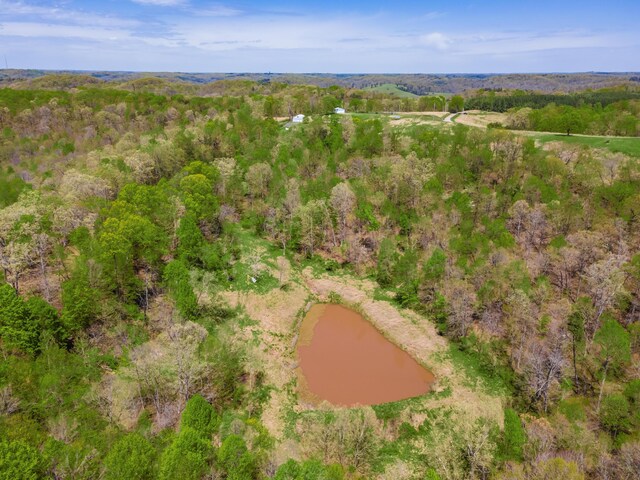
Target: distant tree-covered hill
x,y
420,84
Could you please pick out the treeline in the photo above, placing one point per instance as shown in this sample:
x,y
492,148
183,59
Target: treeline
x,y
617,119
144,96
420,84
129,215
502,102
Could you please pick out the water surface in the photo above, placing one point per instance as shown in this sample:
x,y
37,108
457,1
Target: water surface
x,y
344,360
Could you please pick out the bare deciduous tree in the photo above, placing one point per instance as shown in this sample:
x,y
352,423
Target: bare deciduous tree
x,y
605,280
343,202
461,299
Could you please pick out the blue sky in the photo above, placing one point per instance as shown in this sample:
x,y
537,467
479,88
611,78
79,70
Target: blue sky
x,y
329,36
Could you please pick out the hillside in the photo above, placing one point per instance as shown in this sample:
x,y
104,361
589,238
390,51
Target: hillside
x,y
162,241
391,89
419,84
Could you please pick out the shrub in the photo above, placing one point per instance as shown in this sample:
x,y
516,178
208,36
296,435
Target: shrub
x,y
19,461
513,437
132,457
309,470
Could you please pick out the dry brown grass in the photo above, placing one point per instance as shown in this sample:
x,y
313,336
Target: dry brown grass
x,y
419,118
431,114
479,119
278,314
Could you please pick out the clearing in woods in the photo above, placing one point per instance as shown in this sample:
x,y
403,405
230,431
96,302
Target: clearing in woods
x,y
277,315
626,145
391,89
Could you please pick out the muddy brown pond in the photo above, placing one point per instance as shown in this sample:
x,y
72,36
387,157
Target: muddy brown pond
x,y
344,360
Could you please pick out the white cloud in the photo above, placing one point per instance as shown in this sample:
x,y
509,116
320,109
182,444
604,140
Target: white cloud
x,y
62,15
515,43
219,36
218,11
32,29
436,40
273,32
431,16
76,32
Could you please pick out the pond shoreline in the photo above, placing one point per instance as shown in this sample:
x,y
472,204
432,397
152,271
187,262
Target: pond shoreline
x,y
344,360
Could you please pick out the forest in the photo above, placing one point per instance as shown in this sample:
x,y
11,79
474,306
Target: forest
x,y
420,84
158,246
618,119
504,100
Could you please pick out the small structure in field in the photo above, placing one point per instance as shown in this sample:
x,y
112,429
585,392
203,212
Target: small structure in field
x,y
339,110
298,118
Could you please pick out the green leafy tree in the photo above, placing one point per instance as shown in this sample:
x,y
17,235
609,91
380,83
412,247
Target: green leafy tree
x,y
570,121
46,316
614,414
386,261
308,470
575,325
329,102
126,240
19,461
456,104
78,300
197,193
176,276
199,415
406,273
632,392
615,349
368,138
22,323
132,457
187,458
190,239
235,459
17,328
435,266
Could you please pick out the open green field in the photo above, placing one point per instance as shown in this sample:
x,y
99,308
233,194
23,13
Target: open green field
x,y
627,145
391,89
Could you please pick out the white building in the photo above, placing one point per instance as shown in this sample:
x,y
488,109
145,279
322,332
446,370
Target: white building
x,y
298,118
339,110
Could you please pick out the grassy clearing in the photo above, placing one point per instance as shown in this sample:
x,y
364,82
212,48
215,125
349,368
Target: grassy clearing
x,y
271,346
479,375
391,89
628,146
320,266
257,269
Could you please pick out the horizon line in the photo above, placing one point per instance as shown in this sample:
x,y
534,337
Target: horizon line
x,y
72,70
